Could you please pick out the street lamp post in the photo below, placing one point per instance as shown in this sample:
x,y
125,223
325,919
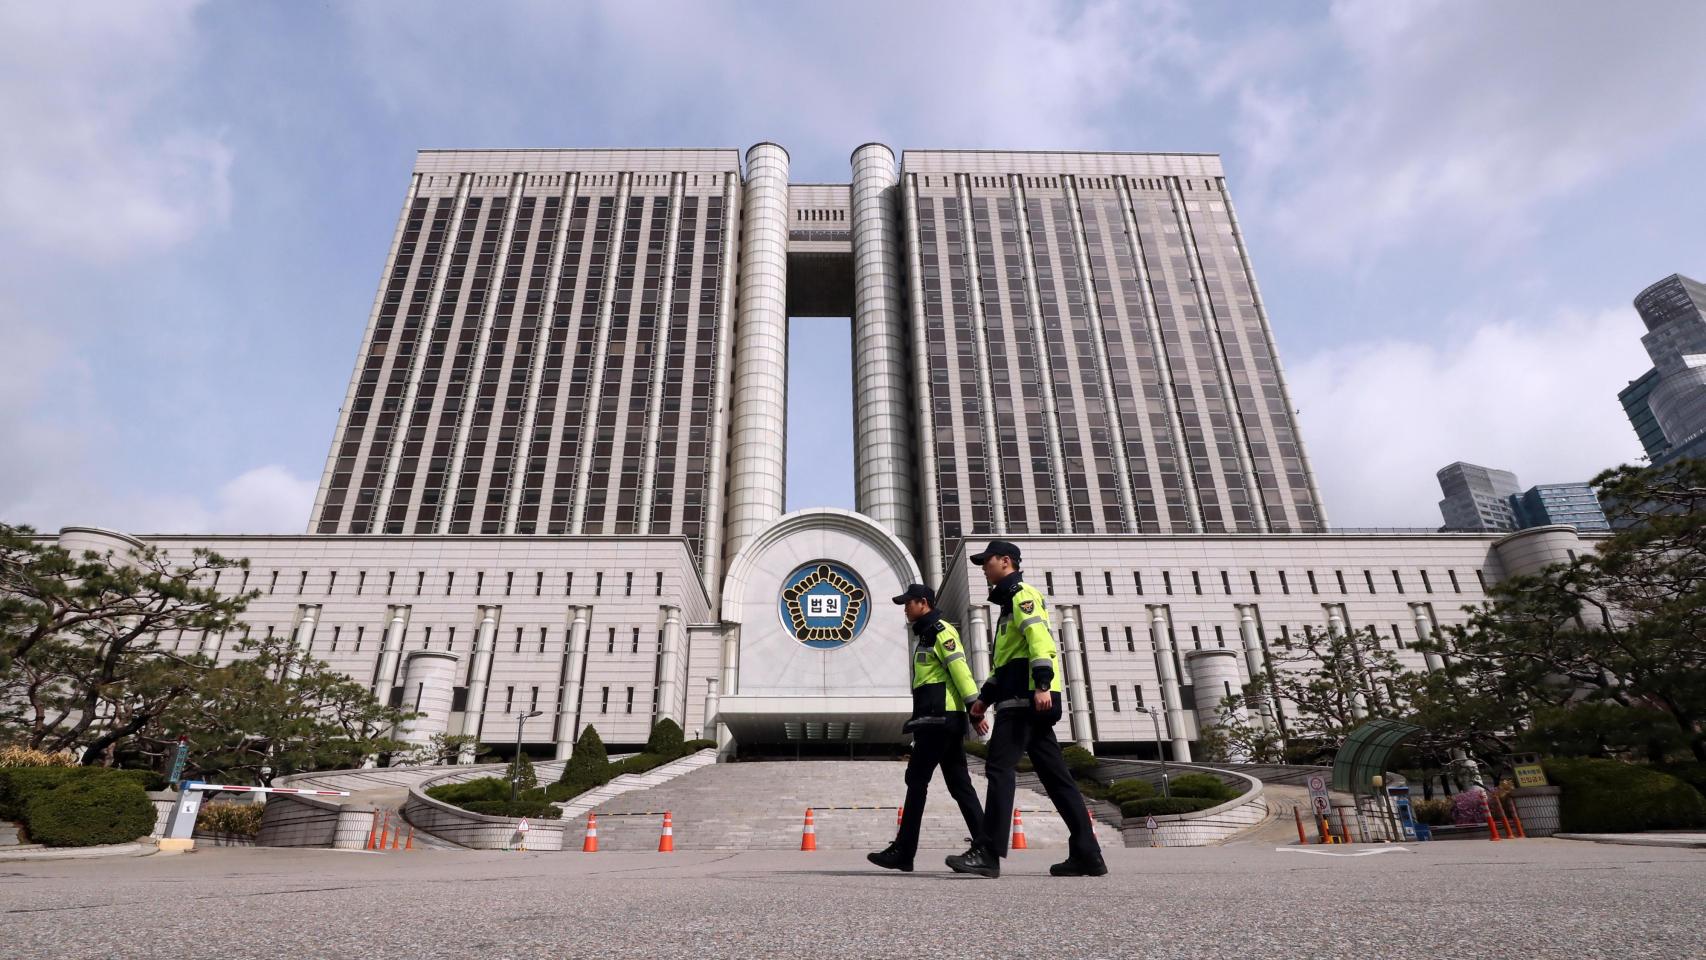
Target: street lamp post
x,y
1155,720
515,764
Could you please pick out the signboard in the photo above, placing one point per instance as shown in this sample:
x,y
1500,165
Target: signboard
x,y
522,827
824,604
1530,775
178,759
1319,801
1150,824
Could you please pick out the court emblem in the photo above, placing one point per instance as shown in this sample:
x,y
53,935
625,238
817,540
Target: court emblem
x,y
824,605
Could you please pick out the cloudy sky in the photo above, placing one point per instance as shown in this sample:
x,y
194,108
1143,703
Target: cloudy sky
x,y
1449,205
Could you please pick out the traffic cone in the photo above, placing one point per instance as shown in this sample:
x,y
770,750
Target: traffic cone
x,y
666,843
590,845
411,844
373,833
1018,832
1492,828
385,832
808,839
899,814
397,836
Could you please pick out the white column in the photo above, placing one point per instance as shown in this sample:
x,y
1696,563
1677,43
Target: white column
x,y
1161,637
669,663
660,359
980,360
1336,628
303,645
1045,368
930,521
1104,371
712,724
474,714
1253,657
1228,389
1213,673
731,676
977,640
1163,370
1425,632
477,365
883,430
387,676
711,554
758,435
600,350
430,680
1072,662
541,344
569,704
412,387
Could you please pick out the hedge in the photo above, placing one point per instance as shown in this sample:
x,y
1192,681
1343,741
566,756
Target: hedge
x,y
1610,796
535,809
236,819
1125,791
666,738
1692,773
1204,785
18,785
1079,760
471,791
1162,806
90,811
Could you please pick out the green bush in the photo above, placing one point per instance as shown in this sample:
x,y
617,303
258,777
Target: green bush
x,y
520,770
977,748
666,739
1125,791
237,819
694,746
470,791
1692,773
588,761
1204,785
1079,760
1161,806
1610,796
1434,813
18,785
87,811
532,809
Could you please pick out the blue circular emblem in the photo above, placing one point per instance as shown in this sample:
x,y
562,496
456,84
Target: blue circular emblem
x,y
824,604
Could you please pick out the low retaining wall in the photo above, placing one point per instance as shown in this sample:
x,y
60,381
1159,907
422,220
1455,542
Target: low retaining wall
x,y
1202,828
477,831
294,820
163,801
1538,808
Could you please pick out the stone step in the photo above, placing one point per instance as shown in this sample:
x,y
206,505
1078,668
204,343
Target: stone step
x,y
761,806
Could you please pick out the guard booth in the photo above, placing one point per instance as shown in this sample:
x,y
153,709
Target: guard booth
x,y
1359,769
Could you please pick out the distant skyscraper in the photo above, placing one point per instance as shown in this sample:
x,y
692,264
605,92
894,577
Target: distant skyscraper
x,y
1634,400
1549,503
1477,497
1674,310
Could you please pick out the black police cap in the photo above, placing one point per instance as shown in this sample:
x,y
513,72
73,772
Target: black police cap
x,y
997,548
917,591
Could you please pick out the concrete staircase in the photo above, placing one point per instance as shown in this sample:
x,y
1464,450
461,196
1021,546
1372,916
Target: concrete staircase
x,y
761,806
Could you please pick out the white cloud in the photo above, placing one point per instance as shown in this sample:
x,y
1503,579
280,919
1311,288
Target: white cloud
x,y
87,166
1536,397
267,499
1452,118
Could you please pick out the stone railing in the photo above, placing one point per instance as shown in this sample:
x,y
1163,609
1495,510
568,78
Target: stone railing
x,y
476,831
1201,828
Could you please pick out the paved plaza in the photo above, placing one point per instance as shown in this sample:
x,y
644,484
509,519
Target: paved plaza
x,y
1536,898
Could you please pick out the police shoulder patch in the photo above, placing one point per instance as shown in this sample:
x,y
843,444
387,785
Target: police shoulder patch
x,y
948,645
1029,606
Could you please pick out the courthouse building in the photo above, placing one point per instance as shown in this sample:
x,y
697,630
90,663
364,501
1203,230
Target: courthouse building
x,y
557,481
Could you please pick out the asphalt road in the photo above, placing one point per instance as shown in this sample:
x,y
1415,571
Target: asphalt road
x,y
1518,899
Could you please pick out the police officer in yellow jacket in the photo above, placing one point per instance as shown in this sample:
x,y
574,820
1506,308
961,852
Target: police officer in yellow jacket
x,y
1024,691
941,684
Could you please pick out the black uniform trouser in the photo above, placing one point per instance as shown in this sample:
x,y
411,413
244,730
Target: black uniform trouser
x,y
1021,731
937,745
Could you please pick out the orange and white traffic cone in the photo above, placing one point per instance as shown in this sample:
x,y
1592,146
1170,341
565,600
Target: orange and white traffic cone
x,y
385,833
373,833
1018,842
411,844
899,814
666,842
808,838
590,844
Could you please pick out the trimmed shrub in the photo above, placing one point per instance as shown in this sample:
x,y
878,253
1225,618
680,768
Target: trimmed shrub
x,y
471,791
1162,806
588,760
694,746
1434,813
1079,760
1692,773
1204,785
18,785
1609,796
666,739
90,811
521,771
1125,791
532,809
237,819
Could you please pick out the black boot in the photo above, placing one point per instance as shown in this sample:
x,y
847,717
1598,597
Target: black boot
x,y
889,858
976,860
1072,866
